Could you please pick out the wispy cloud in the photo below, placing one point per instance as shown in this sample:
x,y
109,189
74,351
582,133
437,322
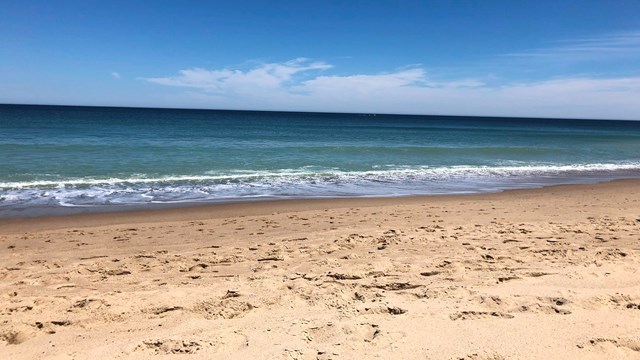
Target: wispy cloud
x,y
610,46
115,75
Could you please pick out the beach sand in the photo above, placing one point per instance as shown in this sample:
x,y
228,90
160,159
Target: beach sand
x,y
549,273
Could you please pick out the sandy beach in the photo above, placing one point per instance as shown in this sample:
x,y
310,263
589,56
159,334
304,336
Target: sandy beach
x,y
549,273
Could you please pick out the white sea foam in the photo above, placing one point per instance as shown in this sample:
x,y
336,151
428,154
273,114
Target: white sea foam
x,y
298,183
390,173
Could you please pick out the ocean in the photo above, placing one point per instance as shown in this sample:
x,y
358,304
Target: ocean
x,y
66,159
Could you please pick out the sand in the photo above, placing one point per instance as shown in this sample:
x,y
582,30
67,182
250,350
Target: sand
x,y
551,273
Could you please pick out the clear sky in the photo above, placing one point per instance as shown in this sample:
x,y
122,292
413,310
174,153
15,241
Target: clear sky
x,y
548,58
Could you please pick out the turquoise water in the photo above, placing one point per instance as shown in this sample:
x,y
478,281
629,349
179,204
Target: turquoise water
x,y
87,158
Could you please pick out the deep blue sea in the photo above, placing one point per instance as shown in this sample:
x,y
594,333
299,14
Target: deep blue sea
x,y
75,159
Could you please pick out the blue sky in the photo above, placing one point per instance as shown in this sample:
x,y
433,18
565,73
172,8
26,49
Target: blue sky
x,y
505,58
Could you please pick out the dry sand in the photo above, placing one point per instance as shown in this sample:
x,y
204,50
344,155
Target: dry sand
x,y
537,274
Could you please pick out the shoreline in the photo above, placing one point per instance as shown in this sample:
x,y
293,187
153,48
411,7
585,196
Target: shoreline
x,y
200,211
14,206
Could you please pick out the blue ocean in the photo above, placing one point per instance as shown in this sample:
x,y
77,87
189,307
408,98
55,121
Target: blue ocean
x,y
64,159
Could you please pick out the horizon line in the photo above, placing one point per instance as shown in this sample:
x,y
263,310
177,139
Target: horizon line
x,y
321,112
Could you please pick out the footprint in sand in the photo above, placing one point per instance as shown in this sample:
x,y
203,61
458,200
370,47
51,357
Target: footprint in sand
x,y
13,337
477,356
613,348
476,315
336,333
170,346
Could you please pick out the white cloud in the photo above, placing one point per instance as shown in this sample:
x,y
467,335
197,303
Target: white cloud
x,y
265,76
115,75
300,85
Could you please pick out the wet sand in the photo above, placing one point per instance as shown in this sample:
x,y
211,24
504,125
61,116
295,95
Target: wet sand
x,y
549,273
